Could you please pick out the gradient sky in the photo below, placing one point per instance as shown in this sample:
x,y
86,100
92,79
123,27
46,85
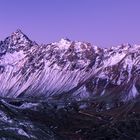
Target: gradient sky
x,y
101,22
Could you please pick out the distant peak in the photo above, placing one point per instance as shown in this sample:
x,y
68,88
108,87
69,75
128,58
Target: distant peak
x,y
18,33
17,40
64,40
19,36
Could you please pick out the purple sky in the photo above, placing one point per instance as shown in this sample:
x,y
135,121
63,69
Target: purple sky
x,y
101,22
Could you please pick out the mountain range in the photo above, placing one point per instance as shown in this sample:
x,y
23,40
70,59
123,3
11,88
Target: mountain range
x,y
68,69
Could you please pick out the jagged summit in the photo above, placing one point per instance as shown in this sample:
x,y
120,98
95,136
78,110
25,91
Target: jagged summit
x,y
18,37
71,68
18,33
15,42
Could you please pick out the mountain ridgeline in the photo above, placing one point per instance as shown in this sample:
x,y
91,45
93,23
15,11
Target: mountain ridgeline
x,y
68,69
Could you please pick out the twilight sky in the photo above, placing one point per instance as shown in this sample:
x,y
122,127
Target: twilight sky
x,y
101,22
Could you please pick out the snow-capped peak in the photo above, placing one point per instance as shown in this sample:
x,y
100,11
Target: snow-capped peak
x,y
19,37
63,43
18,33
16,42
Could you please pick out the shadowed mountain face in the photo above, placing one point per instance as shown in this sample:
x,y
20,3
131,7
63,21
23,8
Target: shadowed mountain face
x,y
68,69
